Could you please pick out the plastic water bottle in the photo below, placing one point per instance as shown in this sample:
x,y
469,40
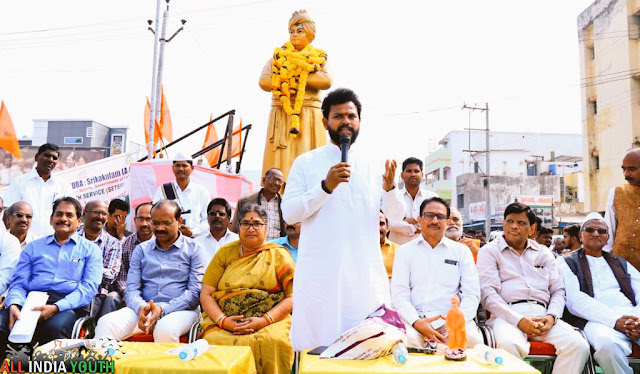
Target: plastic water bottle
x,y
400,353
193,350
488,355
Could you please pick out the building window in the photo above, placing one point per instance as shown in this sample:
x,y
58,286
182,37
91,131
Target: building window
x,y
461,201
595,107
446,173
73,140
476,167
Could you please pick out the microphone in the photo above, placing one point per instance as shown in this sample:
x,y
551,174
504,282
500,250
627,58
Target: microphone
x,y
345,142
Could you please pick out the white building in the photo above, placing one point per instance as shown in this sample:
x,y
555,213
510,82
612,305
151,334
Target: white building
x,y
512,153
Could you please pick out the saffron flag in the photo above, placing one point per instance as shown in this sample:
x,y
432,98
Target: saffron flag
x,y
157,133
8,138
165,120
236,141
211,137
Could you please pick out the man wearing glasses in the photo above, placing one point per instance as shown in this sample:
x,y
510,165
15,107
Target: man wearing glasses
x,y
269,198
20,216
95,216
602,290
163,283
219,215
427,271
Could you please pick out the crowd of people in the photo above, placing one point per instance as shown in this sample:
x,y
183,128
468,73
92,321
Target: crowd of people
x,y
191,260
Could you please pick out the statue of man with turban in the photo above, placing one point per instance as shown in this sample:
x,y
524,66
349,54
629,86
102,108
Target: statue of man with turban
x,y
295,75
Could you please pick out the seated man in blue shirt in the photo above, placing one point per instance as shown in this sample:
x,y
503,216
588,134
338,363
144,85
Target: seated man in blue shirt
x,y
163,283
66,266
290,241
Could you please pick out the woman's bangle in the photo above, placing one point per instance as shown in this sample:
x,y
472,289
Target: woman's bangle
x,y
219,319
268,317
222,322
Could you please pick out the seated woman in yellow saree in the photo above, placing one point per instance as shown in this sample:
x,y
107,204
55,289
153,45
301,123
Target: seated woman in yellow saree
x,y
246,295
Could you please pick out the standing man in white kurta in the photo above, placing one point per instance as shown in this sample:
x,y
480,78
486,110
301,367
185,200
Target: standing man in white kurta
x,y
192,198
40,189
340,275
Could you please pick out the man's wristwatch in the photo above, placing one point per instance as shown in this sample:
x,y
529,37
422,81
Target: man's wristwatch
x,y
555,319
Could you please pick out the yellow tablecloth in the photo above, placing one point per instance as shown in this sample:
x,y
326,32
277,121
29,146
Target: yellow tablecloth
x,y
150,358
417,363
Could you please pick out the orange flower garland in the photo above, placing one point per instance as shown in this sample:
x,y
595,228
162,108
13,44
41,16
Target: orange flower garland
x,y
290,70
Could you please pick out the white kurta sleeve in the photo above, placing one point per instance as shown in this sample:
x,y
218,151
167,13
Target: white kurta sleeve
x,y
67,190
582,305
401,286
402,227
12,194
393,205
159,195
9,255
301,200
634,276
469,286
611,218
200,225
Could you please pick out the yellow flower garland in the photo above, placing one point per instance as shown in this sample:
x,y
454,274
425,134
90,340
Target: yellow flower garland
x,y
290,70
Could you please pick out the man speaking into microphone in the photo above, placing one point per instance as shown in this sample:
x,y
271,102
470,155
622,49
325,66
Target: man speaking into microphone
x,y
335,193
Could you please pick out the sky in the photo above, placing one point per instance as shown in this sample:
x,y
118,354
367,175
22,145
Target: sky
x,y
412,63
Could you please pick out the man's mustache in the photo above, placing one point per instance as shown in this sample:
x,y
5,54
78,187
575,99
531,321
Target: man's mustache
x,y
161,232
347,126
290,227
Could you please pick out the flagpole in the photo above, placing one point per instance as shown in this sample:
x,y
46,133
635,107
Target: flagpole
x,y
162,41
154,80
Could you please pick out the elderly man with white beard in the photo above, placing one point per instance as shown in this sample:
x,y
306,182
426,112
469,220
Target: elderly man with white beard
x,y
455,233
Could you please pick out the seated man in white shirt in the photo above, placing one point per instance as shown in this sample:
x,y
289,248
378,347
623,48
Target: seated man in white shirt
x,y
20,216
9,254
602,292
218,216
427,272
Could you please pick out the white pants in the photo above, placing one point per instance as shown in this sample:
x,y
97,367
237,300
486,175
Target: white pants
x,y
572,350
612,348
416,339
123,324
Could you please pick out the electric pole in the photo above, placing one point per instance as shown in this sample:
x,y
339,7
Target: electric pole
x,y
156,44
487,172
158,64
